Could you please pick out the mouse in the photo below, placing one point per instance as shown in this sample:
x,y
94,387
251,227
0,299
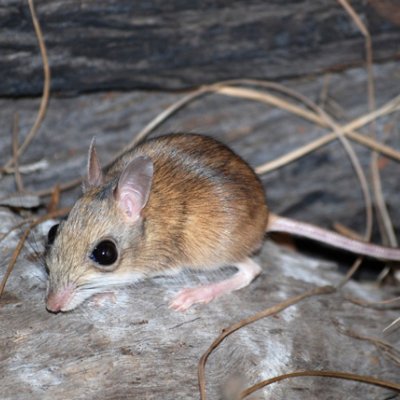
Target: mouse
x,y
174,202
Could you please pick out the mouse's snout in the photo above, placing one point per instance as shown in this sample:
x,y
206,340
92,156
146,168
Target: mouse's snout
x,y
57,301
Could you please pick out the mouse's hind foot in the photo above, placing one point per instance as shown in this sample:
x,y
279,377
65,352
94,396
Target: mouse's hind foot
x,y
247,271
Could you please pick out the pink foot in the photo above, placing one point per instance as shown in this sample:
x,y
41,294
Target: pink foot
x,y
187,297
247,271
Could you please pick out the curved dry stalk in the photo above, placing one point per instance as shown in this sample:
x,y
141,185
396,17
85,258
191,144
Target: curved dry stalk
x,y
46,86
295,154
329,374
391,325
388,108
238,325
354,268
18,178
58,213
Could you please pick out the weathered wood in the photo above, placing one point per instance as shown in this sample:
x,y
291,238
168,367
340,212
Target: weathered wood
x,y
123,45
137,348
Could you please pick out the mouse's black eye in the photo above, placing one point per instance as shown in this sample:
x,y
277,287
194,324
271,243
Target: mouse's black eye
x,y
52,234
105,253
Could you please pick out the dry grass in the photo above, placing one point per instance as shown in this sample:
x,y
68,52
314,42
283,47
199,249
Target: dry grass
x,y
46,89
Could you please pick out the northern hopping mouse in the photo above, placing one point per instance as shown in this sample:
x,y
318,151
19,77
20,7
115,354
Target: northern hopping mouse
x,y
175,201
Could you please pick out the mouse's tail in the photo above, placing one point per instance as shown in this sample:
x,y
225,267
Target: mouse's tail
x,y
302,229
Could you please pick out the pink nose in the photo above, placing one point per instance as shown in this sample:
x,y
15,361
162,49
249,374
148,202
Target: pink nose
x,y
53,303
57,300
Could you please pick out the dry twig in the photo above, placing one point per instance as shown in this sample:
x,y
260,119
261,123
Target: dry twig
x,y
391,325
330,374
46,87
18,178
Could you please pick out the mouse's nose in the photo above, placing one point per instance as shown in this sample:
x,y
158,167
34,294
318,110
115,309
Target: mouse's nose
x,y
53,303
56,300
53,310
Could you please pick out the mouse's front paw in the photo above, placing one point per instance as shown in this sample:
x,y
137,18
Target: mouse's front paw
x,y
187,297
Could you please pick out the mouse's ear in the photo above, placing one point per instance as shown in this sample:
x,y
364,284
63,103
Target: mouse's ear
x,y
94,173
134,186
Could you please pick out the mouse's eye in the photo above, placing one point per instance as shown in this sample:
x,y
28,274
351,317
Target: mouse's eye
x,y
105,253
51,236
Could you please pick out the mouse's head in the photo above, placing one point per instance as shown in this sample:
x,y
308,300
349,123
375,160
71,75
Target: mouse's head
x,y
93,248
